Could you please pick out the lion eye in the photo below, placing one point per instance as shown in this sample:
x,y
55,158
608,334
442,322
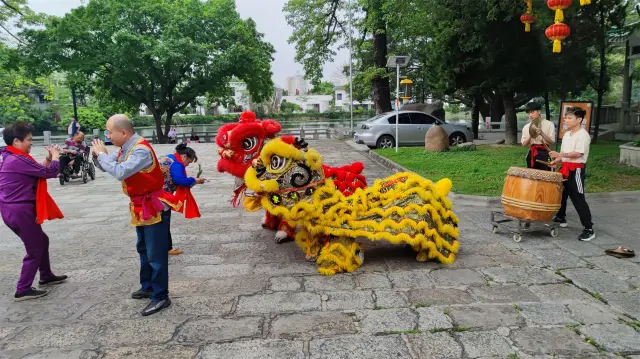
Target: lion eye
x,y
277,163
249,143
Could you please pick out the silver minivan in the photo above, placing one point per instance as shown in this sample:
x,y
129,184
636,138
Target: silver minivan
x,y
380,131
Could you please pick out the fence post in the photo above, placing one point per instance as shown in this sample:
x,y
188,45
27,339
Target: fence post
x,y
302,132
47,137
328,133
316,136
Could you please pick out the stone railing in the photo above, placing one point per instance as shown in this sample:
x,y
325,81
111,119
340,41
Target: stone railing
x,y
48,139
309,134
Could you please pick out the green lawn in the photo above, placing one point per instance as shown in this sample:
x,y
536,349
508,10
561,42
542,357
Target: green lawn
x,y
482,172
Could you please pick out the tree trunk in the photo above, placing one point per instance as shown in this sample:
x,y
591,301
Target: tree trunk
x,y
381,94
511,121
167,125
157,118
478,103
603,70
497,108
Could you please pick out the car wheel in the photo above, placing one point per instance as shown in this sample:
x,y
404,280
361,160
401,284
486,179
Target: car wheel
x,y
457,138
386,141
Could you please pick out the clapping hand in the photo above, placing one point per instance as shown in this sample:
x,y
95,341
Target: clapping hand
x,y
98,147
53,153
200,180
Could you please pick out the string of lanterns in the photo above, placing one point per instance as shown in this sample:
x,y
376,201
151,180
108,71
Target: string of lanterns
x,y
558,31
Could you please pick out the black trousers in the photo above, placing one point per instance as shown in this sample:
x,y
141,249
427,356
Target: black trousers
x,y
542,155
574,189
169,229
65,159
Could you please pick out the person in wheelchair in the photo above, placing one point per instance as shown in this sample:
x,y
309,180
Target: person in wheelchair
x,y
73,154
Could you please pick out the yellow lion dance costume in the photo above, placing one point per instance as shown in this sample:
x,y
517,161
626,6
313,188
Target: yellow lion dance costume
x,y
404,208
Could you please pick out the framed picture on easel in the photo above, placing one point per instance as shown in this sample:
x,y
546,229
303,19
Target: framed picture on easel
x,y
587,106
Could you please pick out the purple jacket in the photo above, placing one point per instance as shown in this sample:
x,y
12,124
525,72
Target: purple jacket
x,y
19,177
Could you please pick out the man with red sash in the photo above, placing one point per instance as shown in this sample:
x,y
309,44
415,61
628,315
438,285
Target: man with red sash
x,y
25,204
136,165
174,168
539,144
573,157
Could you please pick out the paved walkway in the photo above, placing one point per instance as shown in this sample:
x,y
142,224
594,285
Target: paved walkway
x,y
236,294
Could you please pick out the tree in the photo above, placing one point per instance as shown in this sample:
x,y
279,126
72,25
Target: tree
x,y
289,107
323,88
161,53
320,27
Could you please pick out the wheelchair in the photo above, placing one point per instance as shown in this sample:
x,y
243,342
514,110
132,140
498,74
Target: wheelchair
x,y
88,169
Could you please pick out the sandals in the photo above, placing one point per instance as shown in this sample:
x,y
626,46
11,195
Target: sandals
x,y
621,252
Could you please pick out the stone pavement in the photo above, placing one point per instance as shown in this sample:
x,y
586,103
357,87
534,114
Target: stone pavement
x,y
236,294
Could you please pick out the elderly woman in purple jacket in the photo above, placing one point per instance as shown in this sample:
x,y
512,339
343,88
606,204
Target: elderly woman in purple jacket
x,y
25,204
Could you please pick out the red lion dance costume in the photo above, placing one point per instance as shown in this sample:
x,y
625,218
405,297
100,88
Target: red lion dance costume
x,y
240,143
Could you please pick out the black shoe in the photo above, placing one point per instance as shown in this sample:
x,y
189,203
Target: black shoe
x,y
587,235
561,221
155,307
56,279
141,294
32,294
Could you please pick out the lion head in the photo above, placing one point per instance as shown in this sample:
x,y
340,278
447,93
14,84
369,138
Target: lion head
x,y
240,143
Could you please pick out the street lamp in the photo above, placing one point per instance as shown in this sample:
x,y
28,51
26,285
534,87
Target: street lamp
x,y
398,62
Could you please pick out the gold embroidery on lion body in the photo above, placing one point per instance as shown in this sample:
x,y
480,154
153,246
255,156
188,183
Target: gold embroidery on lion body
x,y
402,209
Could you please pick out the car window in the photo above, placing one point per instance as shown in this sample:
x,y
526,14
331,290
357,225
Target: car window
x,y
405,119
422,119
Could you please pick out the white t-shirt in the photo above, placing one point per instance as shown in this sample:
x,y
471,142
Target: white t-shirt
x,y
576,142
547,128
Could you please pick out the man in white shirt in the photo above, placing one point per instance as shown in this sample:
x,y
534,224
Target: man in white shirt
x,y
545,136
573,157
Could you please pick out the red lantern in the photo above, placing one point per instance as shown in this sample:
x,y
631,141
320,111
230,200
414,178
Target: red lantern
x,y
557,33
558,6
527,20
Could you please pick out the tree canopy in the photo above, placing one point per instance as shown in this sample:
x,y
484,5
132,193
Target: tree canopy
x,y
160,53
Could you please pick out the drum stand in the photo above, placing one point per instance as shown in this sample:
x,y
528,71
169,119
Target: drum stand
x,y
518,226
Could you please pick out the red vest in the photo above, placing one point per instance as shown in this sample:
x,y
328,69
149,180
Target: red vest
x,y
145,191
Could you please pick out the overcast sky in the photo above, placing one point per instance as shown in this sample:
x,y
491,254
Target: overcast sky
x,y
268,16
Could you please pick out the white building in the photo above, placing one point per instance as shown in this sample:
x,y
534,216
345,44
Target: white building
x,y
297,86
317,103
342,100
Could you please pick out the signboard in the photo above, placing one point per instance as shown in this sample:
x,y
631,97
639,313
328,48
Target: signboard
x,y
586,123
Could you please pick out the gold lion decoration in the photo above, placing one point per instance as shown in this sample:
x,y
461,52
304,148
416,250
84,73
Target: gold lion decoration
x,y
402,209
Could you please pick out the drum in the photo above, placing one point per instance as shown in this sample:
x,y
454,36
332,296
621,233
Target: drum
x,y
532,194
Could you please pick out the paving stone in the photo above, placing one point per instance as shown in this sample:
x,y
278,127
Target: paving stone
x,y
114,309
64,354
457,277
595,281
435,346
627,303
179,288
6,332
348,300
285,284
618,267
333,283
274,269
540,341
505,293
245,285
359,347
391,299
163,351
439,296
433,318
464,260
89,275
558,259
311,325
580,249
51,336
485,317
387,320
199,306
616,338
592,313
546,314
104,291
411,279
522,275
135,332
219,270
563,293
373,281
255,349
191,259
484,344
37,312
279,302
217,330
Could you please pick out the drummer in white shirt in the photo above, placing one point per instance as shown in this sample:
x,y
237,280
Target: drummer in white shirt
x,y
573,157
538,145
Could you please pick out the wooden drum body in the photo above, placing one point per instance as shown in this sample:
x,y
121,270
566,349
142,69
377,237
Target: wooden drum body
x,y
532,194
